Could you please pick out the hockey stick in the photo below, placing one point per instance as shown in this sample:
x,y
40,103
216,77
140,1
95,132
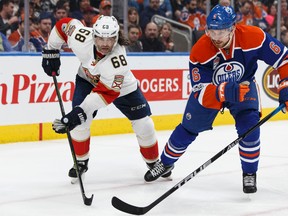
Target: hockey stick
x,y
135,210
87,201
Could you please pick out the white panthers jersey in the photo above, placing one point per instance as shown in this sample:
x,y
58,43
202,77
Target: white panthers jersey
x,y
109,74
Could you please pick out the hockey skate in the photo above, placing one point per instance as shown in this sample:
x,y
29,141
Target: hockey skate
x,y
249,183
157,170
83,167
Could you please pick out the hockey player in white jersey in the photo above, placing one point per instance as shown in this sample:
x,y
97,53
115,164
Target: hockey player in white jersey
x,y
103,77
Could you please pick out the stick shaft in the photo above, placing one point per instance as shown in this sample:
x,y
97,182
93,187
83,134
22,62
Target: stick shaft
x,y
130,209
87,201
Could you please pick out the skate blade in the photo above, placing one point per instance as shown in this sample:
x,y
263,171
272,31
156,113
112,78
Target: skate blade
x,y
169,178
161,179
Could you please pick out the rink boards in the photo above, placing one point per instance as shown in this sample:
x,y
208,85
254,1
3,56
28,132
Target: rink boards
x,y
29,103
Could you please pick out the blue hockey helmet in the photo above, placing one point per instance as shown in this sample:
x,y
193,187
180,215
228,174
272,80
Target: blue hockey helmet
x,y
221,17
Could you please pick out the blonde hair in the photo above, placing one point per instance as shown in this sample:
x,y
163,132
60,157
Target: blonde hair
x,y
170,39
130,11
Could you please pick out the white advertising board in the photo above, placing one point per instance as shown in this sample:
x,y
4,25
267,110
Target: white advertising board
x,y
27,94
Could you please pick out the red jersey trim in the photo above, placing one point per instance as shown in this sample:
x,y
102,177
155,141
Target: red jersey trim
x,y
107,94
61,25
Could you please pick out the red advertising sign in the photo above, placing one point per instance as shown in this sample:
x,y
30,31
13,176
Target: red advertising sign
x,y
157,85
164,84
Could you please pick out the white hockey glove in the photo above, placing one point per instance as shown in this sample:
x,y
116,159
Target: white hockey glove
x,y
76,117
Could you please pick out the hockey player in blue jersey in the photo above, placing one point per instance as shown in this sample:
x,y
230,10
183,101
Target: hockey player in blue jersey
x,y
222,71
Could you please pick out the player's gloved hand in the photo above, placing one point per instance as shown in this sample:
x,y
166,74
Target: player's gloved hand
x,y
76,117
51,62
283,94
232,92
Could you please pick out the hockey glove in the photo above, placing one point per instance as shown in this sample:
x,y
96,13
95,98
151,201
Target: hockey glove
x,y
283,94
232,92
51,62
76,117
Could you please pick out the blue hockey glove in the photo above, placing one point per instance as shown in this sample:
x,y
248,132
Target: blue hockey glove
x,y
76,117
232,92
51,62
283,94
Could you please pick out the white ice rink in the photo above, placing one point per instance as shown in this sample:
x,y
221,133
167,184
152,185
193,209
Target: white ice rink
x,y
34,179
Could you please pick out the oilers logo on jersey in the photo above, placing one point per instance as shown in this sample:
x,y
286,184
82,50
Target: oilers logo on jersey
x,y
228,72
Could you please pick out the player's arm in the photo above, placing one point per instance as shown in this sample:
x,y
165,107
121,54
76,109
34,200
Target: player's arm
x,y
275,54
212,96
99,97
283,84
58,36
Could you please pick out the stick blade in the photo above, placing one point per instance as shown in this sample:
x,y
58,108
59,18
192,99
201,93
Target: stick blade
x,y
130,209
88,201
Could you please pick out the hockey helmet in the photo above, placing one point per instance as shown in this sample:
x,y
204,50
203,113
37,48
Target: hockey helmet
x,y
106,27
221,17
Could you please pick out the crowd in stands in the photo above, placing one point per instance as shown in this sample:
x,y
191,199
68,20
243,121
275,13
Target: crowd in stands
x,y
143,34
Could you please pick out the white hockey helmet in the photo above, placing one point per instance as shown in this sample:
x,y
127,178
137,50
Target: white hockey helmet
x,y
106,27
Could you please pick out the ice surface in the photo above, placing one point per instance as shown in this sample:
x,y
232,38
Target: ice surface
x,y
34,179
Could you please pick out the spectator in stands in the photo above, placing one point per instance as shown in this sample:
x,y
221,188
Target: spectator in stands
x,y
105,8
184,13
271,14
248,13
16,6
133,16
73,5
138,4
8,21
16,38
202,6
166,37
36,7
150,40
135,45
152,9
66,5
224,2
284,8
165,5
34,12
238,4
95,3
88,15
5,46
41,35
214,2
273,28
285,23
44,5
193,17
284,38
60,11
83,5
177,7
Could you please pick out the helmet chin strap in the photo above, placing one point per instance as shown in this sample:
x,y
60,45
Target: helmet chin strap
x,y
116,41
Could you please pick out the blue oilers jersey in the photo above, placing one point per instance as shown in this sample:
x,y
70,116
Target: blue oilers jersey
x,y
209,64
